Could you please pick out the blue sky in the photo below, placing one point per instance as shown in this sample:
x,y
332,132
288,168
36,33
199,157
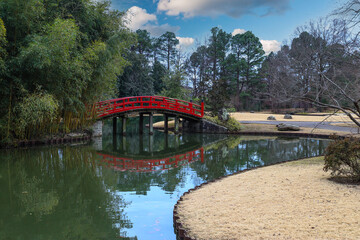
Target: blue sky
x,y
273,21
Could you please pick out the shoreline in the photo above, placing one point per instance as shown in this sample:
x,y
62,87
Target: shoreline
x,y
57,139
77,137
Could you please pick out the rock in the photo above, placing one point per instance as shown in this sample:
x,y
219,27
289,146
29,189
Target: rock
x,y
287,127
252,112
287,116
271,118
224,115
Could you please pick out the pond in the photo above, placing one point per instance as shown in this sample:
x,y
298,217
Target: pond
x,y
123,187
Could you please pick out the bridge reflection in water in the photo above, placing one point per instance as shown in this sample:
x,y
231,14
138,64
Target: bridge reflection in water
x,y
148,153
149,165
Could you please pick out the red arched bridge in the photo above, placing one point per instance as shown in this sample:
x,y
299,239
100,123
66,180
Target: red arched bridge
x,y
125,105
170,107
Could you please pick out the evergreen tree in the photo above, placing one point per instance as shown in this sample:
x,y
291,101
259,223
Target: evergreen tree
x,y
253,55
158,73
167,44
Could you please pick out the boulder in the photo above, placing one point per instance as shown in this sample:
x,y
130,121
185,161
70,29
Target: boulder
x,y
271,118
287,127
287,116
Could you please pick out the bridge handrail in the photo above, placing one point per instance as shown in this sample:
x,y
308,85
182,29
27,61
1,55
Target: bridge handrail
x,y
113,106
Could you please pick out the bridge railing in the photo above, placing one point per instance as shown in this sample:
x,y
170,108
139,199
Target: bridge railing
x,y
150,165
119,105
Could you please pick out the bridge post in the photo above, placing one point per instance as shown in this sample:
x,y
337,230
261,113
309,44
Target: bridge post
x,y
114,125
177,141
124,148
166,123
141,143
151,144
141,123
123,127
151,124
166,142
176,127
97,128
183,124
114,142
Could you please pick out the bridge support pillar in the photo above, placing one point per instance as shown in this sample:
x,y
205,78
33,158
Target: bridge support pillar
x,y
141,143
97,128
151,144
166,123
123,127
124,144
151,123
183,125
141,123
166,142
176,126
114,126
114,141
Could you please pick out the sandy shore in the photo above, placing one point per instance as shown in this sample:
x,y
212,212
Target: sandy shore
x,y
287,201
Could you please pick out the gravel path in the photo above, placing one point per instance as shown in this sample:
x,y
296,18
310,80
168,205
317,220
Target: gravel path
x,y
323,125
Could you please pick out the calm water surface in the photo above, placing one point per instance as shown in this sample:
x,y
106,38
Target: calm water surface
x,y
122,188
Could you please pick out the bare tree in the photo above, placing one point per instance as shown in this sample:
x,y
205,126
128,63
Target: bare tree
x,y
337,65
321,67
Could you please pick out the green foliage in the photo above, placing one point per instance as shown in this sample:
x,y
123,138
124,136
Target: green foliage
x,y
232,124
158,73
174,86
248,56
343,158
136,79
72,49
218,96
167,44
35,114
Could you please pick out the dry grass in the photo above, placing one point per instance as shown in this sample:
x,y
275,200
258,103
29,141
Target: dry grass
x,y
244,116
287,201
253,127
160,124
348,124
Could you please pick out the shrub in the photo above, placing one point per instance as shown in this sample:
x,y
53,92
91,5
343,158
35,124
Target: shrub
x,y
232,109
232,125
342,158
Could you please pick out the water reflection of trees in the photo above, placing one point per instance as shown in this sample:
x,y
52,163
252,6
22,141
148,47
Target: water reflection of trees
x,y
221,158
238,153
57,193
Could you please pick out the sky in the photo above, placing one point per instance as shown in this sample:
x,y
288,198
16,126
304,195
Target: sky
x,y
272,21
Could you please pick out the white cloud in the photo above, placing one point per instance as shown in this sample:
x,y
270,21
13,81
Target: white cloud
x,y
270,46
238,31
158,30
233,8
137,17
185,42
